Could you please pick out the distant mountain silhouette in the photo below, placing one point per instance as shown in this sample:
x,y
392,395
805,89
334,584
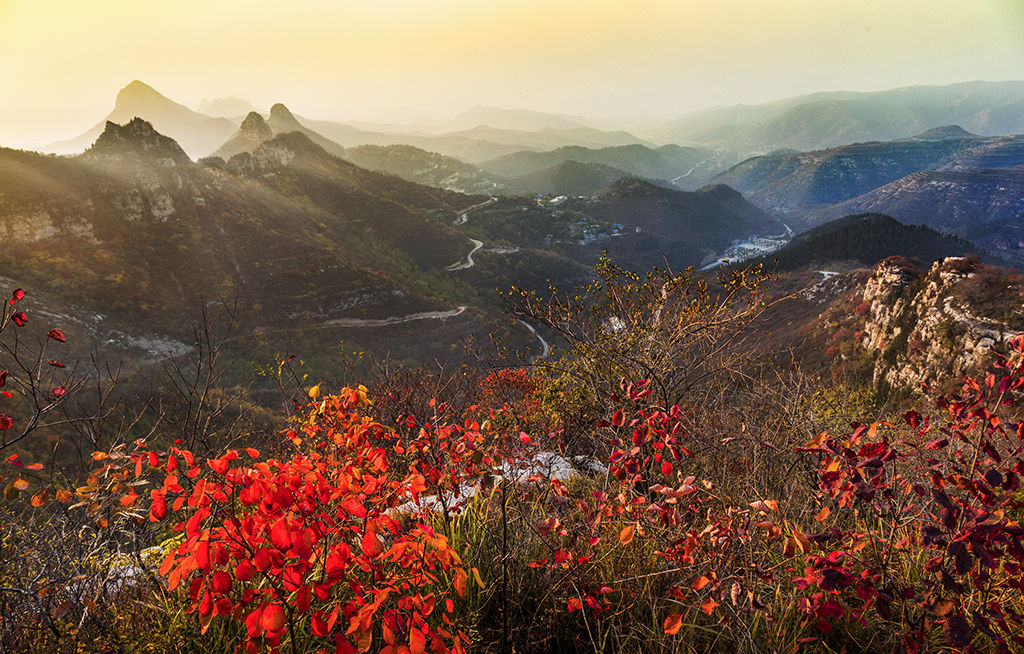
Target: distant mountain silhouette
x,y
254,131
225,107
196,133
824,120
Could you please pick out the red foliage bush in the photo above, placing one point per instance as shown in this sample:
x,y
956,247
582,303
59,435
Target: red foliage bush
x,y
310,547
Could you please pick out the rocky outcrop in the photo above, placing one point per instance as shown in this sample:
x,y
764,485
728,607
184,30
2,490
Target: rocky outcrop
x,y
920,327
253,132
136,138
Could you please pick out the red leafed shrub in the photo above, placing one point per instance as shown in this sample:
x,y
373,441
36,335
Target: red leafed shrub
x,y
916,530
308,547
944,490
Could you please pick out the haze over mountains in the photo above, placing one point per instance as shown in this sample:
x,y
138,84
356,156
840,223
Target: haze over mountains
x,y
824,120
294,232
624,193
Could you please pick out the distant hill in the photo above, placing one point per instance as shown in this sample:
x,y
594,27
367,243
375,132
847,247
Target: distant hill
x,y
225,107
801,182
282,121
567,178
198,134
825,120
548,139
476,144
985,206
252,133
667,162
678,226
864,240
418,165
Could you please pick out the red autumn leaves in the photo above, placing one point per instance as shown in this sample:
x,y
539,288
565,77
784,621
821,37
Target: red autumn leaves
x,y
310,541
20,319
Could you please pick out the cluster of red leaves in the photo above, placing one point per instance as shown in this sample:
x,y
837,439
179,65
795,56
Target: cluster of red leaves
x,y
946,487
309,547
653,503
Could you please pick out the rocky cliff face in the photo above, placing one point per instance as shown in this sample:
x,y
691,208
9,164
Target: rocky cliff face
x,y
928,329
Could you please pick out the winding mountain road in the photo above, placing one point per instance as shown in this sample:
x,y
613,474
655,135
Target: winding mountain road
x,y
468,263
461,220
464,216
545,349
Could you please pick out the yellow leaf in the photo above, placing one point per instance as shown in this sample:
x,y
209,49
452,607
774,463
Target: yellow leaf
x,y
673,623
479,581
314,392
626,535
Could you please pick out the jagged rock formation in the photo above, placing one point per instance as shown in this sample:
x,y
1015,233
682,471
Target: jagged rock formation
x,y
929,329
255,131
136,138
252,133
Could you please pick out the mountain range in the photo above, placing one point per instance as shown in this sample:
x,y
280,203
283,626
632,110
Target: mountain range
x,y
795,183
134,230
984,206
200,134
824,120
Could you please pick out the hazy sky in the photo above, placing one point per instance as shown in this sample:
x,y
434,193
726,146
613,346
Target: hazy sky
x,y
63,61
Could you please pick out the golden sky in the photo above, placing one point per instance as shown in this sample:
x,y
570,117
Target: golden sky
x,y
63,61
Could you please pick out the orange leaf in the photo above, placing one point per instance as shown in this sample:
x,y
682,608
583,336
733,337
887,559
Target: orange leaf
x,y
417,641
477,579
701,582
34,466
460,582
129,499
823,514
20,484
709,606
673,623
40,498
371,544
626,535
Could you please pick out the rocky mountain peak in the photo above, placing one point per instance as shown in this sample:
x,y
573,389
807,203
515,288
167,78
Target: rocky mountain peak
x,y
282,119
137,137
255,127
